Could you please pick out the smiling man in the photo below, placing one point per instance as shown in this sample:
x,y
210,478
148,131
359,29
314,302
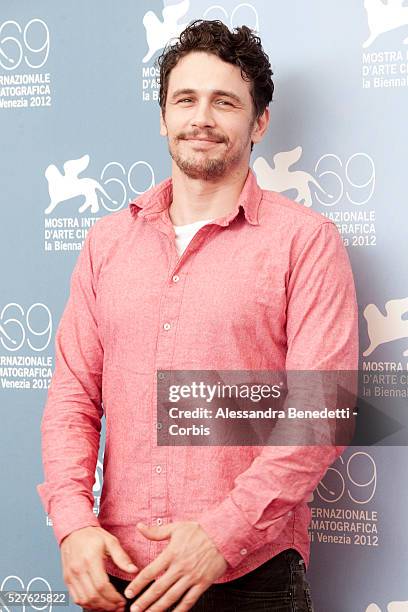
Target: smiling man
x,y
205,271
208,129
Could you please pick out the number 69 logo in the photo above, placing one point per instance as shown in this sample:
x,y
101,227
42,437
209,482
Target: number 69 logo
x,y
22,327
356,478
13,49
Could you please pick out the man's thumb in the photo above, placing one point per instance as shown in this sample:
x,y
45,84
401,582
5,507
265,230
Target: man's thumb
x,y
119,556
155,532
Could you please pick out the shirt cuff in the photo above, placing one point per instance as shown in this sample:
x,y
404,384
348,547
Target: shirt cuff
x,y
68,515
231,532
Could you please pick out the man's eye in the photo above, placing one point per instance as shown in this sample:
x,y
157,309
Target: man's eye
x,y
190,99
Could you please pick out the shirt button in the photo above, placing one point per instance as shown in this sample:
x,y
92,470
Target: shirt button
x,y
159,521
159,425
176,278
166,326
158,469
243,551
161,376
290,513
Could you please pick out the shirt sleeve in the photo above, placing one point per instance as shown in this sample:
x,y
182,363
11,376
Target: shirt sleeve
x,y
322,334
71,421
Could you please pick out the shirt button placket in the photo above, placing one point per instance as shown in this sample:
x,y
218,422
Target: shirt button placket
x,y
170,311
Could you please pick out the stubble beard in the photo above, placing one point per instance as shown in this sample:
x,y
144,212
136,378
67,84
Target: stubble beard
x,y
201,165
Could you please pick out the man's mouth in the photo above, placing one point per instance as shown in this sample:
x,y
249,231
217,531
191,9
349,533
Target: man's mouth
x,y
202,141
209,139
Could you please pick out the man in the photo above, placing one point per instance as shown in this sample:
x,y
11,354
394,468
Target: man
x,y
205,271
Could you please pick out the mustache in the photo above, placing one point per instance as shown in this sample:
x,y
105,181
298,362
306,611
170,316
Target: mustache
x,y
208,136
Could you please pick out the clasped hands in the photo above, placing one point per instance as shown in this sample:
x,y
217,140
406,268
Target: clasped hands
x,y
188,565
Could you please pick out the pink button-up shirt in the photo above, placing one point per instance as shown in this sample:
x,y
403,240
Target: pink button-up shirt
x,y
266,287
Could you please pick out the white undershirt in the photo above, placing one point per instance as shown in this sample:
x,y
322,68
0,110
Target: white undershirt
x,y
184,233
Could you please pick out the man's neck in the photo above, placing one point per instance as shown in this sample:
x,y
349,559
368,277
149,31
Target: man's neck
x,y
196,200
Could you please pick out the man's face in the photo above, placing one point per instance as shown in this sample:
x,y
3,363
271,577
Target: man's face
x,y
209,117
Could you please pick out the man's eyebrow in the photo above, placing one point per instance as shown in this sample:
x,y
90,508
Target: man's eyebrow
x,y
216,92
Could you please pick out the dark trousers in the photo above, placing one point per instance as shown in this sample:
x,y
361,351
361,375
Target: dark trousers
x,y
279,585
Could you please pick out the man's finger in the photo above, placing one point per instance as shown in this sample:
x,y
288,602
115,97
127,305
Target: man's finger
x,y
120,556
79,590
73,592
156,532
163,593
148,573
189,599
102,584
93,600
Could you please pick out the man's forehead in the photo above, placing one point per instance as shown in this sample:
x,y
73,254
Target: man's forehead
x,y
210,76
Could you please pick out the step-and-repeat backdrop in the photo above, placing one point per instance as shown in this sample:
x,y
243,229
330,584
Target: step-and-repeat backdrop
x,y
79,134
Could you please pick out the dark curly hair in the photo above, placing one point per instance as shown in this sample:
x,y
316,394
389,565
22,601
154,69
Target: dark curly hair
x,y
240,47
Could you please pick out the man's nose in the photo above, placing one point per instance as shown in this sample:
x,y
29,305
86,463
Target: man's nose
x,y
203,115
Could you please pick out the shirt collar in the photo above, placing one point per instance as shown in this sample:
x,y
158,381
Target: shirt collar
x,y
158,198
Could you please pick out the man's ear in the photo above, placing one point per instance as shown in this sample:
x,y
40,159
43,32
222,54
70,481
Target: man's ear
x,y
163,128
260,126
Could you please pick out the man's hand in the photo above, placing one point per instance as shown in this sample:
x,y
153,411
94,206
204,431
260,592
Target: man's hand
x,y
82,555
190,562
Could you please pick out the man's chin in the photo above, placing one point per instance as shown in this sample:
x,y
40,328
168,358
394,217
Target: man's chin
x,y
206,172
203,175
